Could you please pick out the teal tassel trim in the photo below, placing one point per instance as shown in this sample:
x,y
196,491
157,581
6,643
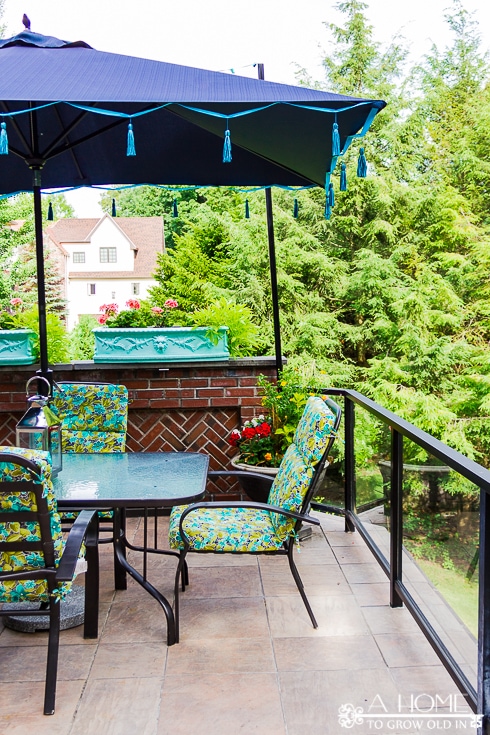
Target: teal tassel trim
x,y
295,209
331,196
227,148
50,212
335,140
113,212
343,178
361,164
131,150
4,141
247,210
328,210
175,211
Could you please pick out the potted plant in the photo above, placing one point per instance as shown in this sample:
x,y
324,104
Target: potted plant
x,y
16,341
146,333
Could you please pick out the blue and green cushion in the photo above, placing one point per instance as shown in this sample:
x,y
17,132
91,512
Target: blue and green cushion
x,y
12,561
314,430
224,529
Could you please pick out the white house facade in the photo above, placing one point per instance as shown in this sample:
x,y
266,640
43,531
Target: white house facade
x,y
106,260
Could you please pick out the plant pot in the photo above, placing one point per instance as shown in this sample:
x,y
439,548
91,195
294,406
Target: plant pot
x,y
156,344
17,347
256,488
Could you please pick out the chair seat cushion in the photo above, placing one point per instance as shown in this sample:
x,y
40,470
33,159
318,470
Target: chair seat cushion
x,y
224,529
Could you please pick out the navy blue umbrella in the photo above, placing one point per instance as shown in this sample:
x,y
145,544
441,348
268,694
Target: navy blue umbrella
x,y
74,116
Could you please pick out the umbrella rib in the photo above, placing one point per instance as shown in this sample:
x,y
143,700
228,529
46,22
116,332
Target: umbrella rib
x,y
65,131
21,135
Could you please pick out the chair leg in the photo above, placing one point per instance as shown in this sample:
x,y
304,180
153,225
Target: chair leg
x,y
299,584
179,575
91,616
52,664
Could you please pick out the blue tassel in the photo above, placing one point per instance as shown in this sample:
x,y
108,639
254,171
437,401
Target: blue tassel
x,y
227,148
361,164
113,212
343,178
328,210
247,210
50,212
131,150
295,209
175,211
4,141
331,196
335,140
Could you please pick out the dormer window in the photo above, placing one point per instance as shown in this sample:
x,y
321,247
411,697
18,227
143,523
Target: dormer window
x,y
108,255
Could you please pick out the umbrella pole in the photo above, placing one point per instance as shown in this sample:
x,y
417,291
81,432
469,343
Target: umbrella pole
x,y
272,265
45,372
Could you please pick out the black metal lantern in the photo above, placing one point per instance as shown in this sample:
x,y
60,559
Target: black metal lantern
x,y
40,427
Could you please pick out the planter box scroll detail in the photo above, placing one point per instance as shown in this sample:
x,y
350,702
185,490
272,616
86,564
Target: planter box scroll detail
x,y
17,347
170,344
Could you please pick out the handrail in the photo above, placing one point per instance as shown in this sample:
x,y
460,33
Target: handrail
x,y
478,700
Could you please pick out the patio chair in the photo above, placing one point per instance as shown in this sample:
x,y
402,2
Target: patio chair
x,y
94,416
36,564
249,527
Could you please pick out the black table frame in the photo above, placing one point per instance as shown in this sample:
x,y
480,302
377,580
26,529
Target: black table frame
x,y
120,506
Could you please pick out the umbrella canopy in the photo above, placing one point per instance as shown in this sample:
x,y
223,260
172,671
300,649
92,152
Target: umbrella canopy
x,y
73,116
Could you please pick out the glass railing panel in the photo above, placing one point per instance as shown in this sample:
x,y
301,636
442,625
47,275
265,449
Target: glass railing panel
x,y
440,560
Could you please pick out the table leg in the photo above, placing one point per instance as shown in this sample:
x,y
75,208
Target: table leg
x,y
122,566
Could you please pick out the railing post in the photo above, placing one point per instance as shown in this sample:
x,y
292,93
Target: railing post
x,y
396,516
484,615
349,464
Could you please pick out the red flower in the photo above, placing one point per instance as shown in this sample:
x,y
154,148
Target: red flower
x,y
102,319
133,303
234,438
248,432
263,429
171,304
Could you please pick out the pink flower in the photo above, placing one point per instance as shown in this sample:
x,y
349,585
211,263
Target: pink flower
x,y
133,303
157,309
15,302
102,319
109,309
171,304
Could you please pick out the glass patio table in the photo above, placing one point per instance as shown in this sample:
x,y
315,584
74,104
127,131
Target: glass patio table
x,y
143,480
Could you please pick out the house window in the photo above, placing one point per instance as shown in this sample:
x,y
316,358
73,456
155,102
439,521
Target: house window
x,y
135,289
79,257
91,289
113,294
108,255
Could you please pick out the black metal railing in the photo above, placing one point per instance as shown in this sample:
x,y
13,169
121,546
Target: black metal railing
x,y
478,699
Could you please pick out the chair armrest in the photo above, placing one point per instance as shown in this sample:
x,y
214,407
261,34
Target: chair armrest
x,y
244,504
85,528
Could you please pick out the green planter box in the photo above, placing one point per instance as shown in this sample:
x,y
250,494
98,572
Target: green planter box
x,y
170,344
17,346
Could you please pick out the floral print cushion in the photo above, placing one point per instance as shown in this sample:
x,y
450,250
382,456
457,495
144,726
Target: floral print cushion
x,y
224,529
289,489
314,430
85,407
27,590
89,442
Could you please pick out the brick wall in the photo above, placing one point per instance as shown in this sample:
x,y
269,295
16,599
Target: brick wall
x,y
175,408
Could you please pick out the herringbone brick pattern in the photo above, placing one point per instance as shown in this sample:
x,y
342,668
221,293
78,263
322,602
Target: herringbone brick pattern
x,y
8,423
198,430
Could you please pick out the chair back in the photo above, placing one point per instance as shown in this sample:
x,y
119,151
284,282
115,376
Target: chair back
x,y
304,464
94,416
31,541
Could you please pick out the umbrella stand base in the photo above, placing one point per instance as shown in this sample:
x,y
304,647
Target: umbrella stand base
x,y
71,613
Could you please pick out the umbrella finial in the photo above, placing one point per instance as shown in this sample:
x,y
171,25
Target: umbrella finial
x,y
26,22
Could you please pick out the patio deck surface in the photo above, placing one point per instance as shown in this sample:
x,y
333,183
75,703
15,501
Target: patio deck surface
x,y
249,660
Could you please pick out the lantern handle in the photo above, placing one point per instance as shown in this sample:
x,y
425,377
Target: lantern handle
x,y
38,377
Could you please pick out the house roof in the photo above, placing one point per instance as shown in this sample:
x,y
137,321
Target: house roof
x,y
145,236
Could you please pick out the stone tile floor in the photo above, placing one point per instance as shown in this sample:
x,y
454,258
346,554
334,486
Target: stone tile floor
x,y
249,660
